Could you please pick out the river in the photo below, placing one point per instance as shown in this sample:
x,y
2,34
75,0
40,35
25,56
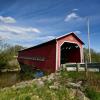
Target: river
x,y
10,78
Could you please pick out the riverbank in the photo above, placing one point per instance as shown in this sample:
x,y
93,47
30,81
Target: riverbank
x,y
56,86
10,70
12,77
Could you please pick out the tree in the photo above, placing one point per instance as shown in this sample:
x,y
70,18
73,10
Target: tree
x,y
7,53
95,56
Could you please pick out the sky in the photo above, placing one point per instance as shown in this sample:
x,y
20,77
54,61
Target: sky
x,y
31,22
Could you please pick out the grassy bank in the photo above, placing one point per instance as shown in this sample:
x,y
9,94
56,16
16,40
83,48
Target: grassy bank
x,y
91,82
55,87
33,92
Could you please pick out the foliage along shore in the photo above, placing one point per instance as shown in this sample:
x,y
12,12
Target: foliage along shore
x,y
10,70
8,57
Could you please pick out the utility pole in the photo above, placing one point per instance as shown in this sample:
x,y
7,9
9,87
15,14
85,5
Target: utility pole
x,y
88,27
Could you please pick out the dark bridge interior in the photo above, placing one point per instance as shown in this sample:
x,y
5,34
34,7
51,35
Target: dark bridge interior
x,y
70,53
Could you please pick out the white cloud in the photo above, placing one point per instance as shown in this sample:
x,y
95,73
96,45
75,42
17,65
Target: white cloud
x,y
26,36
18,33
7,19
3,36
78,32
46,38
72,16
35,41
17,29
75,9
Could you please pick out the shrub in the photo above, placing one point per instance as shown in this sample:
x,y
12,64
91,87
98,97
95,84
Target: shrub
x,y
92,94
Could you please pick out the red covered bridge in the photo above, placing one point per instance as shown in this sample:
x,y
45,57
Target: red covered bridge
x,y
50,55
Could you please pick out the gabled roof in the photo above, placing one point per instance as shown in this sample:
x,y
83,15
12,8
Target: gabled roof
x,y
50,41
54,40
71,33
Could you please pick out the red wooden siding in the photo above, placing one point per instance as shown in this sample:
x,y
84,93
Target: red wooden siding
x,y
47,51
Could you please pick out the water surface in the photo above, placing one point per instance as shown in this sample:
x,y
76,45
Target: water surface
x,y
11,78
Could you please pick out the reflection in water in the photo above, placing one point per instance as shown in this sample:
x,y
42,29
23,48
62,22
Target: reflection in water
x,y
11,78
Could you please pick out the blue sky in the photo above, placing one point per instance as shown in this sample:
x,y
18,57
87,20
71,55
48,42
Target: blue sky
x,y
30,22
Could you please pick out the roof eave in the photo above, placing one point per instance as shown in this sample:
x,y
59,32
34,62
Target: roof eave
x,y
69,34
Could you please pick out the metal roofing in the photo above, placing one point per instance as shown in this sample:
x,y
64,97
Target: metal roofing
x,y
54,40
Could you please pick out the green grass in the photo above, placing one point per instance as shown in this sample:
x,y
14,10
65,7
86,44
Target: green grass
x,y
92,94
34,93
91,79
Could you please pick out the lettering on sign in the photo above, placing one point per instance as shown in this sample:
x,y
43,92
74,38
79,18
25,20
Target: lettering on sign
x,y
36,58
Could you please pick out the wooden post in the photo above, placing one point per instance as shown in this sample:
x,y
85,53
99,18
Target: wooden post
x,y
64,67
77,67
86,66
99,69
86,69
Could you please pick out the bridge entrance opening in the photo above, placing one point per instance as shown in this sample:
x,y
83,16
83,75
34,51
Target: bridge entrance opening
x,y
70,53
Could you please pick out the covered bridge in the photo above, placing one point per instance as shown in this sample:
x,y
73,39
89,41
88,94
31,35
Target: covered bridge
x,y
50,55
